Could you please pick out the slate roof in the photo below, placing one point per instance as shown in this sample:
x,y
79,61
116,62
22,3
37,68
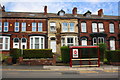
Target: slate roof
x,y
52,15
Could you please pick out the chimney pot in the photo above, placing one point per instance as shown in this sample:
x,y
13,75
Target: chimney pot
x,y
74,11
45,10
100,12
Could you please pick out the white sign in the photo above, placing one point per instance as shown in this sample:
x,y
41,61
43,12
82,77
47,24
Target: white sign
x,y
75,53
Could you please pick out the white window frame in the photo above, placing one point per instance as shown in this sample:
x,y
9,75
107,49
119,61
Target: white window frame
x,y
16,43
83,27
101,27
84,42
119,26
0,26
16,26
72,28
65,40
98,40
23,26
52,24
23,43
40,29
6,26
34,27
33,37
65,28
111,27
112,44
94,27
4,42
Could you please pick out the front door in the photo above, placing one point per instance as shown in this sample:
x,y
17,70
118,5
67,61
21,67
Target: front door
x,y
53,45
112,44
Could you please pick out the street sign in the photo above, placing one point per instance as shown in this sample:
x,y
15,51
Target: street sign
x,y
75,53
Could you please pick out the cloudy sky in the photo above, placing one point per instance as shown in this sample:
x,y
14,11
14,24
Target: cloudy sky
x,y
109,7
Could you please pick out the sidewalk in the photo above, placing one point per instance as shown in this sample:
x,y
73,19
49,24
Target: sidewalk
x,y
104,67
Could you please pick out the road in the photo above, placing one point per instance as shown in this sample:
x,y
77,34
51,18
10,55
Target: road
x,y
11,73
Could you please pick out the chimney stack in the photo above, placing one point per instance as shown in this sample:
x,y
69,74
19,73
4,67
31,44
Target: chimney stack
x,y
74,11
100,12
45,10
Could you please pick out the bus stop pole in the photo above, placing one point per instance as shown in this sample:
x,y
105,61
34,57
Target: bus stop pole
x,y
70,57
98,57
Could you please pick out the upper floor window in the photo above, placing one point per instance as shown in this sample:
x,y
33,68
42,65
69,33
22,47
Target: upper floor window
x,y
100,26
111,28
72,27
94,27
5,26
16,26
0,26
33,26
40,27
83,27
52,26
23,26
4,43
64,27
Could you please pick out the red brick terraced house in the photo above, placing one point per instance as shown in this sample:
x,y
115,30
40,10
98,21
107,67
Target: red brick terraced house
x,y
29,30
23,30
95,29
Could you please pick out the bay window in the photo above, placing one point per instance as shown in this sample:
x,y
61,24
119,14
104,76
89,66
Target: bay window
x,y
37,42
4,43
16,27
69,41
6,26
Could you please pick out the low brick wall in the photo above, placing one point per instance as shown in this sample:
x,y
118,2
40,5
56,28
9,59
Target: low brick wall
x,y
48,61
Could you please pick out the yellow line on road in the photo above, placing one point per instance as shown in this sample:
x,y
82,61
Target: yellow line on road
x,y
110,71
88,71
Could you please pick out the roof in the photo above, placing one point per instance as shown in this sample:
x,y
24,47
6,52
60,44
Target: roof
x,y
52,15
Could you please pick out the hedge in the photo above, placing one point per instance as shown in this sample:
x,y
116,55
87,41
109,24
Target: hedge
x,y
113,56
15,53
37,53
65,54
31,53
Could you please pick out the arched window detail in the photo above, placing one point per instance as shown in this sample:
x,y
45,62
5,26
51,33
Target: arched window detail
x,y
16,43
84,41
112,43
23,43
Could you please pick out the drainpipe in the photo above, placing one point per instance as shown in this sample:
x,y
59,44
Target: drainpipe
x,y
78,32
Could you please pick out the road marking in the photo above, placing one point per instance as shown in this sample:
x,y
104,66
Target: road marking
x,y
88,71
110,71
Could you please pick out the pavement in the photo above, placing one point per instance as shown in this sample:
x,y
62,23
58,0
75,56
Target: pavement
x,y
26,67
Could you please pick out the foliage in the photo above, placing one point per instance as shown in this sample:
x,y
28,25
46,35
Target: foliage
x,y
65,54
37,53
103,48
113,56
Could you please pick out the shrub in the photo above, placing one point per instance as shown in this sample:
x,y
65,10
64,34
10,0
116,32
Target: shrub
x,y
15,53
113,56
65,54
103,48
37,53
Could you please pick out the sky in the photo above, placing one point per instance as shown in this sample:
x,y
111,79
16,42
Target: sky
x,y
109,7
